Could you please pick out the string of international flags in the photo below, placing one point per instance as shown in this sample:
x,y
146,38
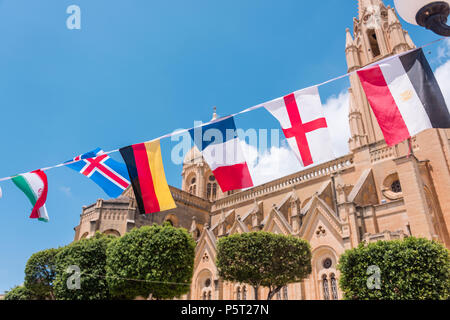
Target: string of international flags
x,y
402,92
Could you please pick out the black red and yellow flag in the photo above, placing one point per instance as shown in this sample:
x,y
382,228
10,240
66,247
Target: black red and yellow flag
x,y
146,170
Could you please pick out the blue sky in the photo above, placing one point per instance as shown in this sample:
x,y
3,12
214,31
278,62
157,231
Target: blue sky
x,y
138,69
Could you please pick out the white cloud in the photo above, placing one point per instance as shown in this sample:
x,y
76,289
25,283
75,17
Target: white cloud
x,y
443,52
271,165
442,73
66,190
336,112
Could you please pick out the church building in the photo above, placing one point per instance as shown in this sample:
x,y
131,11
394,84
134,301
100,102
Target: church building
x,y
375,192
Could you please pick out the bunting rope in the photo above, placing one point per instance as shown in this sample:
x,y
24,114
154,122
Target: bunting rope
x,y
258,106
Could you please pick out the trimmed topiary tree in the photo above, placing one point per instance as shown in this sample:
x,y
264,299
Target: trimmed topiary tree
x,y
156,260
401,269
263,259
40,272
89,255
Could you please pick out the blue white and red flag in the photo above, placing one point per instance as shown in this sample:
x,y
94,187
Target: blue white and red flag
x,y
221,149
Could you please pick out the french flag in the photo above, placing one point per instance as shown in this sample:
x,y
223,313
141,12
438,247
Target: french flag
x,y
219,144
404,96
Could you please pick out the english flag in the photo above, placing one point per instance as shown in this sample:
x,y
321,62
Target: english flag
x,y
404,96
301,116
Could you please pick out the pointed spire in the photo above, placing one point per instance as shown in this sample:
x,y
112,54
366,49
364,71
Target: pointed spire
x,y
348,39
214,117
364,4
352,105
409,40
392,17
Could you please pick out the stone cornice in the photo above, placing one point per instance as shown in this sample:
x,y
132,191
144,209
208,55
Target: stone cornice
x,y
288,182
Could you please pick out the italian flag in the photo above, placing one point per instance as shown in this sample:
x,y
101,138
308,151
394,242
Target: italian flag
x,y
34,185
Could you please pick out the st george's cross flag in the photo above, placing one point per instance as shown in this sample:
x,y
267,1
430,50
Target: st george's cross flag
x,y
107,173
404,96
304,125
146,171
220,147
35,186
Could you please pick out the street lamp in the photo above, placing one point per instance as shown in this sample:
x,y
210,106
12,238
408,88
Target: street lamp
x,y
426,13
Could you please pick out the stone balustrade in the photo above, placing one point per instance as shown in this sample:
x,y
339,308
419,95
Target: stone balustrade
x,y
189,199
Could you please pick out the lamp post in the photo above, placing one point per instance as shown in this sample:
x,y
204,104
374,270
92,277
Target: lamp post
x,y
426,13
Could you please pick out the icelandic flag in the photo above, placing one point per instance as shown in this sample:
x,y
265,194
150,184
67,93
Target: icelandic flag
x,y
109,174
220,147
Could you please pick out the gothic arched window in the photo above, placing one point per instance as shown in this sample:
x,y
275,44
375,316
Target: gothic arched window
x,y
208,191
238,293
373,41
214,190
244,293
193,186
326,292
211,188
334,291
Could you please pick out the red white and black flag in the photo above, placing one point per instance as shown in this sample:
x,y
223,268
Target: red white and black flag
x,y
405,96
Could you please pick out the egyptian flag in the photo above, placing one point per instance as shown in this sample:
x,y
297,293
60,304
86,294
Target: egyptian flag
x,y
220,147
146,171
405,96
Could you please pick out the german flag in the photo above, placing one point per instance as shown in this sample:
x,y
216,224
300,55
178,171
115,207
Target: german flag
x,y
146,170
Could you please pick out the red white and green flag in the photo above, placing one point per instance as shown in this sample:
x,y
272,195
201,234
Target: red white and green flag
x,y
34,185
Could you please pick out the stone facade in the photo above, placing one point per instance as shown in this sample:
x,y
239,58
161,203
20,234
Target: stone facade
x,y
374,193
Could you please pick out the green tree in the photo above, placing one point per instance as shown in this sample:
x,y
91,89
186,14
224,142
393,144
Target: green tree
x,y
40,272
19,293
407,269
89,255
263,259
157,260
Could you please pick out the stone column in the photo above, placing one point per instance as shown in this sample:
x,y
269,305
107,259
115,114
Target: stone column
x,y
354,230
414,196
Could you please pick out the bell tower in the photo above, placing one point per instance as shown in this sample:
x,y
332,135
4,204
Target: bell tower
x,y
377,34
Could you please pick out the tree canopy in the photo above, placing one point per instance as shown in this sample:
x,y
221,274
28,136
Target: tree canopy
x,y
19,293
407,269
156,260
263,259
40,272
89,255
